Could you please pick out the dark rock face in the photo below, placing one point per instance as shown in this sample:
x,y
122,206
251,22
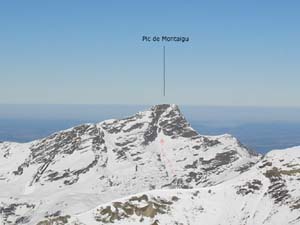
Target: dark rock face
x,y
220,160
61,220
117,126
174,124
11,210
47,150
140,206
152,130
244,167
249,187
265,163
5,150
277,189
168,119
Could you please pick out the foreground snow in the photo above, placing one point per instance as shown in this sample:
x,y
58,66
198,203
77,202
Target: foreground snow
x,y
255,197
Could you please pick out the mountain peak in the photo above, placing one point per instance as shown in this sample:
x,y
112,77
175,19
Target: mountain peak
x,y
164,107
167,119
163,111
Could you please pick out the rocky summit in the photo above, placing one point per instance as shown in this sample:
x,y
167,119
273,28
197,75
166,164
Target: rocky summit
x,y
152,169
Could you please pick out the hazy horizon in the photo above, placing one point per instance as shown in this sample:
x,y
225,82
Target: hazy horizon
x,y
94,111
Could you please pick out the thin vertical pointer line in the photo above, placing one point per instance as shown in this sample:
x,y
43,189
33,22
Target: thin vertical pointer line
x,y
164,71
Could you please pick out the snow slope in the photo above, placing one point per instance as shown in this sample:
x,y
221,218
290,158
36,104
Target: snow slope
x,y
75,176
258,196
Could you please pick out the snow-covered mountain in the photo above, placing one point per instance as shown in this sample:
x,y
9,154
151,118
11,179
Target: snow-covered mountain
x,y
151,168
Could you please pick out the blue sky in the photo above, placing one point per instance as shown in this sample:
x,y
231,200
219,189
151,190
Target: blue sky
x,y
241,53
